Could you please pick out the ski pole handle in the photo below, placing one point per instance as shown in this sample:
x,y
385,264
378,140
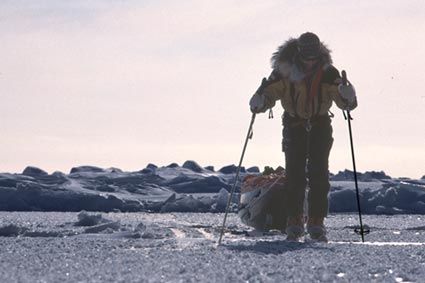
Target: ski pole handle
x,y
262,86
345,82
344,77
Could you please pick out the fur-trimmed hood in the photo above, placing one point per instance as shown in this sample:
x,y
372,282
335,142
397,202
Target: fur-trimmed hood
x,y
287,62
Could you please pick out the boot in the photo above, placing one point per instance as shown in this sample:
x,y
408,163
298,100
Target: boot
x,y
316,229
295,228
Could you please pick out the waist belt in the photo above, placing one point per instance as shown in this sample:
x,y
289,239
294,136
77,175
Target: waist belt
x,y
307,123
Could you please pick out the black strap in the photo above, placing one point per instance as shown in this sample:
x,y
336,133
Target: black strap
x,y
271,113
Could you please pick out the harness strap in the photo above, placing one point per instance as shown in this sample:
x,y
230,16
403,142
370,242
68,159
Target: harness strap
x,y
292,94
320,99
314,89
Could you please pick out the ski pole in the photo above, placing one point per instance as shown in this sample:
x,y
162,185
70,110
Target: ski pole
x,y
248,136
349,118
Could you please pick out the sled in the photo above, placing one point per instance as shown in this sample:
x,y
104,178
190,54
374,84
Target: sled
x,y
262,202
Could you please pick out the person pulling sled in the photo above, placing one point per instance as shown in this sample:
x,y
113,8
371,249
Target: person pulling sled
x,y
306,83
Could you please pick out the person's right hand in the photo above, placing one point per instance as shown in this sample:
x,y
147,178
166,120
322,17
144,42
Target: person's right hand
x,y
257,103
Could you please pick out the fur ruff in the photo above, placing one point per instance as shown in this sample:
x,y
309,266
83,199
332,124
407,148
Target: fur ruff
x,y
286,60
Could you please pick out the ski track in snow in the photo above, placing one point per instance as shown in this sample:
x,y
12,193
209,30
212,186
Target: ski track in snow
x,y
379,243
182,247
207,235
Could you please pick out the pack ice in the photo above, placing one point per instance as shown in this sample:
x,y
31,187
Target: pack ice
x,y
186,188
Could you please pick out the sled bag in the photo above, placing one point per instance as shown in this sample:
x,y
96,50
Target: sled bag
x,y
262,202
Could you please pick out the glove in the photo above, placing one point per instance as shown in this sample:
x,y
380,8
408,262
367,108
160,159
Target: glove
x,y
257,103
347,92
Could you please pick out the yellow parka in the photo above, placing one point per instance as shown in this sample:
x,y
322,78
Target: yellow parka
x,y
301,95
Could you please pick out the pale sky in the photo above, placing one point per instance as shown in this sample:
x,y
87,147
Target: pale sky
x,y
125,83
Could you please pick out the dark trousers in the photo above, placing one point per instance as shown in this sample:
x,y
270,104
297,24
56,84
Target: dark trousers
x,y
307,156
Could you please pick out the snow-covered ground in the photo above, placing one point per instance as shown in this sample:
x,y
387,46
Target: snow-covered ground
x,y
181,247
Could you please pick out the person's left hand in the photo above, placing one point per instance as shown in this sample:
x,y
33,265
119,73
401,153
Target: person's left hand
x,y
347,92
